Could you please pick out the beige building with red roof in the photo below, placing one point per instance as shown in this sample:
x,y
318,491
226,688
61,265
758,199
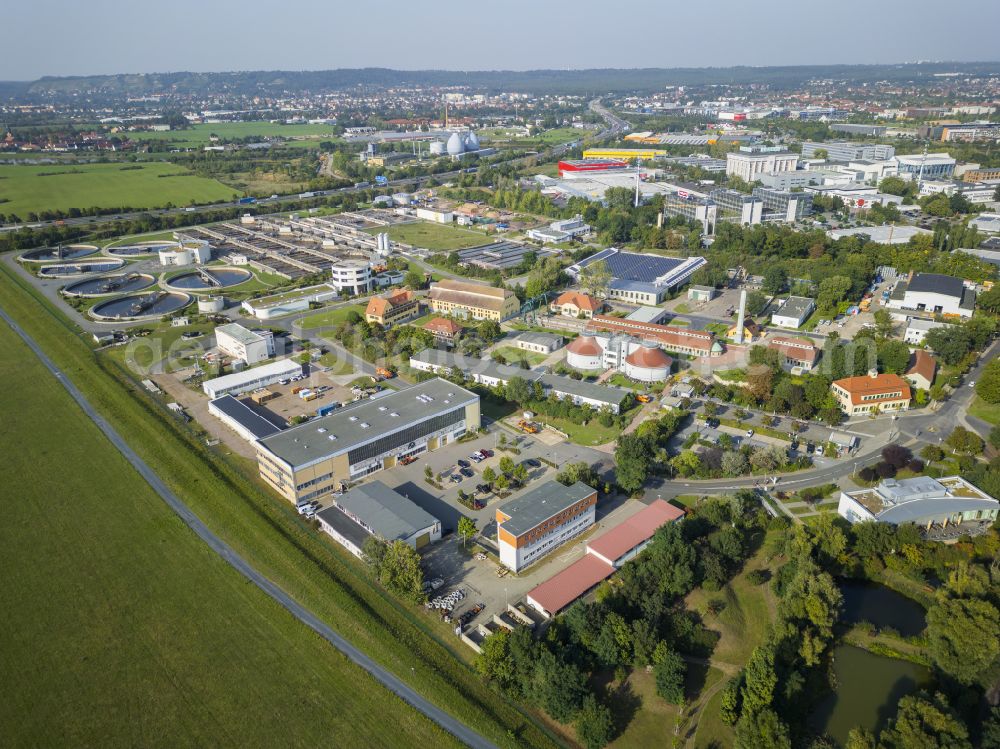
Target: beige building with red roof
x,y
798,352
679,340
575,304
443,329
922,369
473,300
391,308
871,393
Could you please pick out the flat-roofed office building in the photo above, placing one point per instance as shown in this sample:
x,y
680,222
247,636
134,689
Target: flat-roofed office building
x,y
541,520
315,458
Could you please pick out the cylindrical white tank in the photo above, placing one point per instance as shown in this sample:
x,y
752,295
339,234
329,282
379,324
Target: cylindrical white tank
x,y
472,142
438,148
211,304
584,353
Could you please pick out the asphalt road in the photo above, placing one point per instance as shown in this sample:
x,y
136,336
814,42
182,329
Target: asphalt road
x,y
386,678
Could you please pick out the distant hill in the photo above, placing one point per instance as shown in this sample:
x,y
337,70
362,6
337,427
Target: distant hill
x,y
537,81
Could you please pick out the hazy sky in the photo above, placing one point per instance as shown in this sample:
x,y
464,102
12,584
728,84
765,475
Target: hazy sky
x,y
67,37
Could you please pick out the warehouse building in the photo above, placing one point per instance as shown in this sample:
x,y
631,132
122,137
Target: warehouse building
x,y
541,520
473,300
638,278
604,555
373,509
317,457
934,293
676,339
242,419
251,379
248,346
793,312
539,343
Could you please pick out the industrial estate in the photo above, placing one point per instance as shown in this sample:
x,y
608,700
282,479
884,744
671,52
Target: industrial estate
x,y
664,413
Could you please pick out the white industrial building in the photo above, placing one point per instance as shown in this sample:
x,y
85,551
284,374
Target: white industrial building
x,y
433,214
935,505
934,293
917,329
192,252
352,276
793,312
749,165
277,305
251,379
249,346
561,231
242,419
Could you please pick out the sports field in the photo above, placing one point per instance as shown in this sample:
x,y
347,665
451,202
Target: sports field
x,y
200,135
121,628
433,236
27,189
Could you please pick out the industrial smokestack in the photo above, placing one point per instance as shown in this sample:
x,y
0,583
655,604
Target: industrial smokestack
x,y
741,315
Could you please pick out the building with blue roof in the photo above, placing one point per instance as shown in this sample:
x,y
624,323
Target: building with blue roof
x,y
639,278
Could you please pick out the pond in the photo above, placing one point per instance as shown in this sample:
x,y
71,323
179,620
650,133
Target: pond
x,y
869,687
870,602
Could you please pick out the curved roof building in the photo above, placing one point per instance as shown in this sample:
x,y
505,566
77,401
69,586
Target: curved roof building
x,y
945,508
585,353
648,364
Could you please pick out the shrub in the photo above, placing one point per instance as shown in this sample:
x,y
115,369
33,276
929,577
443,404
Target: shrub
x,y
885,470
916,465
896,455
758,577
867,474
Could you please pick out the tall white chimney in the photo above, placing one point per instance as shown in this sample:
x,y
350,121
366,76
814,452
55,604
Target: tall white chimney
x,y
741,315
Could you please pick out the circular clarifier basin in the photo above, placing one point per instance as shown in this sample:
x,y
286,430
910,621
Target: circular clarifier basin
x,y
65,252
119,283
139,249
61,270
141,306
208,279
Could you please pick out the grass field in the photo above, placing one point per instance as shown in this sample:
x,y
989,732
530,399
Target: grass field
x,y
331,317
233,502
986,411
121,628
514,355
200,135
433,236
31,189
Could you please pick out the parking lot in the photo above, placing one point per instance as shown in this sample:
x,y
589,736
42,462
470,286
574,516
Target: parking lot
x,y
478,577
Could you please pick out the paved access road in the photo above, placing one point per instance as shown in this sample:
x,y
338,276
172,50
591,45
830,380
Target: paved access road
x,y
385,677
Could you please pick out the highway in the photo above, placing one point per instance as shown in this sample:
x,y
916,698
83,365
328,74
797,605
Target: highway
x,y
386,678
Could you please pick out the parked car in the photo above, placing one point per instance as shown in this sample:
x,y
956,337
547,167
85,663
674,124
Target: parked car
x,y
467,472
483,488
455,478
749,433
476,457
532,463
810,448
463,463
486,453
407,460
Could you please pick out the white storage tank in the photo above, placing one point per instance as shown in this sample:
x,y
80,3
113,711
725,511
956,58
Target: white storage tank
x,y
210,305
455,144
585,353
438,148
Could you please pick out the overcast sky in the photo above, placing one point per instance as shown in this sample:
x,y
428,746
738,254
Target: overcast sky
x,y
65,37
